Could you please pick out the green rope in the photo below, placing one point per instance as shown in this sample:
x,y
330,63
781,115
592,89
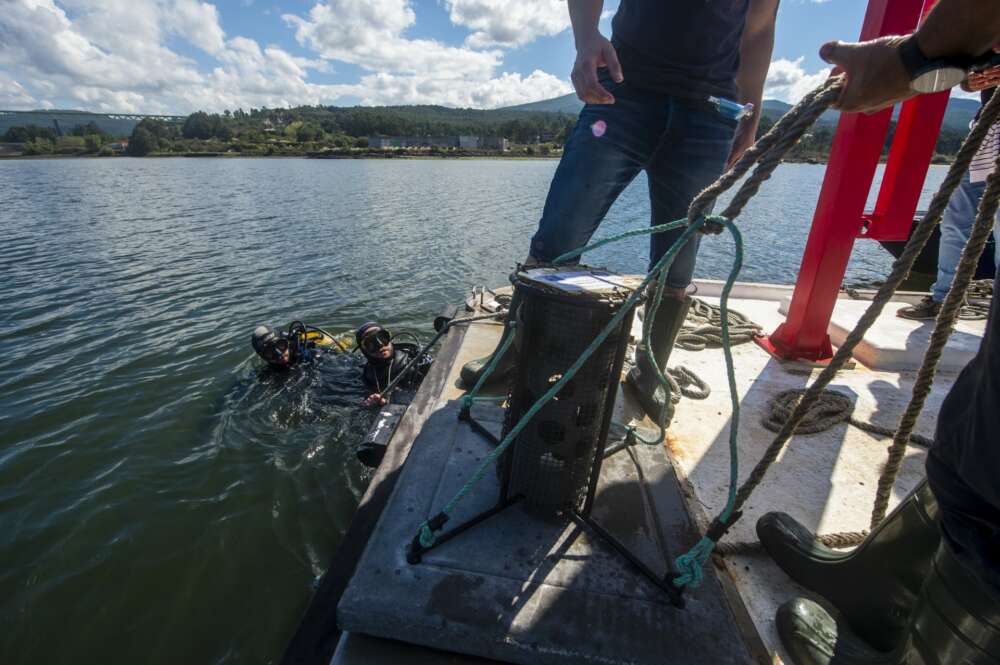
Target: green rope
x,y
691,562
573,253
471,397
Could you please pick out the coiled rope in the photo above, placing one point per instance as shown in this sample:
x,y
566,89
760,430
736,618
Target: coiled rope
x,y
829,409
703,327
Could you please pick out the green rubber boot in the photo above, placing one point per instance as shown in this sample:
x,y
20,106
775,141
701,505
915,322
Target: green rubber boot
x,y
956,621
668,323
874,586
472,370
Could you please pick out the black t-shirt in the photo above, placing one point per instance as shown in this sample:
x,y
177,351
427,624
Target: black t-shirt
x,y
963,466
687,48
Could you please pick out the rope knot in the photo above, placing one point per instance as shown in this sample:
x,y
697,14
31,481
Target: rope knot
x,y
714,225
690,564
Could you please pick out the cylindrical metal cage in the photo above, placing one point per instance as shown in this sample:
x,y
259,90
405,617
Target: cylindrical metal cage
x,y
554,462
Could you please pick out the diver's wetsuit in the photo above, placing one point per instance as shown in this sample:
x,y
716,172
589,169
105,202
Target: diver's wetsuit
x,y
379,373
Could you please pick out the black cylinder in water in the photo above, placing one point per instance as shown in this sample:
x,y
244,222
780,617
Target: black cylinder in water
x,y
554,459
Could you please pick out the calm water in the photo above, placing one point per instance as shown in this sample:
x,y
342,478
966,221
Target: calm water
x,y
159,501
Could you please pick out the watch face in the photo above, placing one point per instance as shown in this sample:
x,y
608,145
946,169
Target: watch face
x,y
937,79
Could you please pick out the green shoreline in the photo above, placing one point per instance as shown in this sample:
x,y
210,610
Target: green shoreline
x,y
505,156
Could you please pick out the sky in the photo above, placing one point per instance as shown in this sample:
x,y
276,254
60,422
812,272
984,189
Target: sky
x,y
179,56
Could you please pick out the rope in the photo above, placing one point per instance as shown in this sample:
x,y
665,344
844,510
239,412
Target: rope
x,y
900,269
828,410
768,152
703,326
840,540
685,382
945,323
470,397
981,289
426,537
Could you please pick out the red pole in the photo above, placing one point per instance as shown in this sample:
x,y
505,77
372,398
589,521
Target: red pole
x,y
854,156
909,158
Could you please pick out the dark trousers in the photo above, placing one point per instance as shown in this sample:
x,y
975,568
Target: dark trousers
x,y
963,466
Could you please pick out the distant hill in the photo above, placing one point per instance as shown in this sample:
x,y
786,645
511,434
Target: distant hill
x,y
960,111
566,104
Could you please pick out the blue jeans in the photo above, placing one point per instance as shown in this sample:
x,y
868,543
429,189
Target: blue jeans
x,y
682,145
956,225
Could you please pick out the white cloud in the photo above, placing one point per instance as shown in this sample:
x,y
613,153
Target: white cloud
x,y
422,71
78,53
788,81
198,22
14,96
369,34
508,22
505,90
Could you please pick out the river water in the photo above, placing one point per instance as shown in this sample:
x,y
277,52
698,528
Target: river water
x,y
161,502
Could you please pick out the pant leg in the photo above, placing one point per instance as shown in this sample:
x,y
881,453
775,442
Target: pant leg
x,y
963,465
691,155
606,150
956,225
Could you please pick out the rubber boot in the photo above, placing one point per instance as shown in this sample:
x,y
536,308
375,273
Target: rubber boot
x,y
956,621
663,333
472,370
875,585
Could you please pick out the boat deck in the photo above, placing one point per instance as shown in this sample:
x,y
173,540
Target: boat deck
x,y
826,480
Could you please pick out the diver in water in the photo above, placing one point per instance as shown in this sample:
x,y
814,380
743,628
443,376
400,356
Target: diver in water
x,y
386,360
301,343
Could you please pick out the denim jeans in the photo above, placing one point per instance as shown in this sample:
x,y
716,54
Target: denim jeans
x,y
956,225
682,145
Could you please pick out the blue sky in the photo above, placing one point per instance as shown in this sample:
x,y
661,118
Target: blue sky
x,y
175,56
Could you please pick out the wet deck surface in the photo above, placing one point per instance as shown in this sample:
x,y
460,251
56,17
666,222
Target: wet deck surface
x,y
826,480
528,590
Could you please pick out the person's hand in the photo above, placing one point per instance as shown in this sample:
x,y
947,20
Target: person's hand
x,y
875,74
988,78
374,400
593,52
746,134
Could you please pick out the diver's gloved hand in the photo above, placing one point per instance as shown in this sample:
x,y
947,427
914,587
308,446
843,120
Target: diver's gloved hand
x,y
375,400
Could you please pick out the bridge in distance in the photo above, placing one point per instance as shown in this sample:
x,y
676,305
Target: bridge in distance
x,y
116,124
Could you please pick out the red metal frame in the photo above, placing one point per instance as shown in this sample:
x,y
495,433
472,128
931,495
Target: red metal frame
x,y
840,217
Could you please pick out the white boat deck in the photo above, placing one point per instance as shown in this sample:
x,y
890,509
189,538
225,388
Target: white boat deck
x,y
826,480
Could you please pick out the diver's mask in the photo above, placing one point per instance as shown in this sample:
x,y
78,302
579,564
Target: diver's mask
x,y
269,345
373,342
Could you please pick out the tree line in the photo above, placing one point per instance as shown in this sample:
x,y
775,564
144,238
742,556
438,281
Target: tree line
x,y
320,128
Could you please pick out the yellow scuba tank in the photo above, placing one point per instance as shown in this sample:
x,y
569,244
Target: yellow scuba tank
x,y
341,343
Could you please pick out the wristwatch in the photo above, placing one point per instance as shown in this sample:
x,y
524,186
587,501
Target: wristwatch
x,y
930,74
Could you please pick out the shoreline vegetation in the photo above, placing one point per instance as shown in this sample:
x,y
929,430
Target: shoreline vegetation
x,y
414,132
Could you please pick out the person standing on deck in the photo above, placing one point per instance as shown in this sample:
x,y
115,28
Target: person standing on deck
x,y
939,604
675,92
956,225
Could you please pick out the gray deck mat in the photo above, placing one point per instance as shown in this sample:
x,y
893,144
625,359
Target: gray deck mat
x,y
523,590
